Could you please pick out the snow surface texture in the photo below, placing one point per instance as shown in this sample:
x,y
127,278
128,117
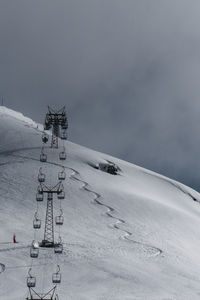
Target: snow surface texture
x,y
130,236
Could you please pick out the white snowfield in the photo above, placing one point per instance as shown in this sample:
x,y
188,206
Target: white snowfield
x,y
132,236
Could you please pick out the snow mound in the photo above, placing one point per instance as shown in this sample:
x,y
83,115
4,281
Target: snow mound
x,y
4,111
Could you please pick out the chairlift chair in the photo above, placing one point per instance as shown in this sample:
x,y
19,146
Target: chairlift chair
x,y
40,189
45,138
62,175
56,277
60,219
64,124
34,252
41,176
62,155
31,281
63,135
36,222
61,195
43,157
39,197
58,249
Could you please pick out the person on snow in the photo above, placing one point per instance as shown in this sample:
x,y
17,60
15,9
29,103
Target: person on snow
x,y
14,239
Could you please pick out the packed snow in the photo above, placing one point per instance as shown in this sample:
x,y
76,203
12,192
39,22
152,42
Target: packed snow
x,y
129,236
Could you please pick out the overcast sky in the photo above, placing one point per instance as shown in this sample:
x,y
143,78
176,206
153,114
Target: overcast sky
x,y
128,72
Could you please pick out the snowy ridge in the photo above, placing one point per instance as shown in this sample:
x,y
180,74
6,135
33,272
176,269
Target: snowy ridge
x,y
125,236
4,111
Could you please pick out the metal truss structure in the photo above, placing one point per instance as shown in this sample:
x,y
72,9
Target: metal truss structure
x,y
48,240
57,120
50,295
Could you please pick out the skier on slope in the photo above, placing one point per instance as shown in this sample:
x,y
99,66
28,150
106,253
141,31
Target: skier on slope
x,y
14,239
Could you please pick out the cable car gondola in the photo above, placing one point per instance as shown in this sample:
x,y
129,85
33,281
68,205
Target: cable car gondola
x,y
56,277
31,281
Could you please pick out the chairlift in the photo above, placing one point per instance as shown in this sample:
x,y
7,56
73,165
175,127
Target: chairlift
x,y
43,157
36,222
61,195
62,175
39,197
63,135
58,248
62,155
64,124
40,189
56,277
31,281
34,252
60,219
41,176
45,137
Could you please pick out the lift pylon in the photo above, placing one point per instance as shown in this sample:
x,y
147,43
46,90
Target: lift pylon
x,y
56,119
48,241
50,295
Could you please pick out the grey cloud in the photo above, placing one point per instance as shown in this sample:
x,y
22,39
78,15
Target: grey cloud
x,y
128,72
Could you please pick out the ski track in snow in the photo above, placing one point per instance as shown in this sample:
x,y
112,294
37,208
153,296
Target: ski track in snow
x,y
109,210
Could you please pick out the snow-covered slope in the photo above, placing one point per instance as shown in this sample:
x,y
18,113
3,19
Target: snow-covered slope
x,y
130,236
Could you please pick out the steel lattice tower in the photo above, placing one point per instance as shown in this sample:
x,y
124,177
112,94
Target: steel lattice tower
x,y
55,134
49,229
48,240
56,120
